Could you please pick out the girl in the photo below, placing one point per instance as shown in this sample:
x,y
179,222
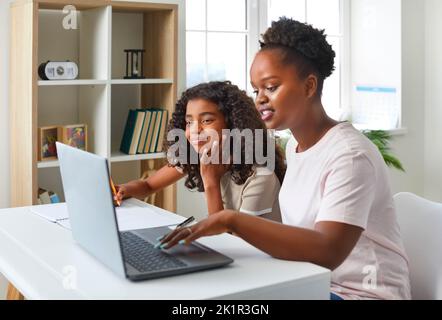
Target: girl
x,y
210,108
336,203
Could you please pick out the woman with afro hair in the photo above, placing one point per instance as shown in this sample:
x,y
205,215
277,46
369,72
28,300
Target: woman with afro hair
x,y
202,113
336,203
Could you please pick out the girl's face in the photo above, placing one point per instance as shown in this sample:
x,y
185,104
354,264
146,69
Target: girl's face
x,y
281,96
204,124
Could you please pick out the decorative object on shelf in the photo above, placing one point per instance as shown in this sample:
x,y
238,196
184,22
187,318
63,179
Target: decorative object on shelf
x,y
134,63
58,70
47,136
47,197
75,136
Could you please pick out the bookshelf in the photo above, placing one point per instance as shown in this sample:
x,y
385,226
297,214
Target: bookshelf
x,y
100,97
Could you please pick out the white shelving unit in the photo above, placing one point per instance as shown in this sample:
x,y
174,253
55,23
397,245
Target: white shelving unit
x,y
100,97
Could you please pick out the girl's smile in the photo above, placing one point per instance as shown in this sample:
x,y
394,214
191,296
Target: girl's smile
x,y
204,123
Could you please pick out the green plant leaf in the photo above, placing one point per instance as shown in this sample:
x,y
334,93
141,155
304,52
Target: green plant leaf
x,y
381,139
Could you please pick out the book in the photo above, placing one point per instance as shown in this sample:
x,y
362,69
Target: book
x,y
132,131
162,133
137,131
128,132
144,131
150,132
153,144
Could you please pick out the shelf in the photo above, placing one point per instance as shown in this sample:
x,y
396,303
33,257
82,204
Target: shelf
x,y
43,83
116,157
100,97
48,164
122,157
142,81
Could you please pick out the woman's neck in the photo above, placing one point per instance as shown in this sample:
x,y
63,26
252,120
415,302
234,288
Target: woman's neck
x,y
316,124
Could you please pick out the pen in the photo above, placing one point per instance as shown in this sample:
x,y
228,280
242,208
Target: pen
x,y
114,192
180,225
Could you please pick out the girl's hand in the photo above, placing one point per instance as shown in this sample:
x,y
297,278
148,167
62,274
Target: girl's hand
x,y
212,173
215,224
122,193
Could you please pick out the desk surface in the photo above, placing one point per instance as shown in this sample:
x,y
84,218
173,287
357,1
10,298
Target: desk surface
x,y
42,261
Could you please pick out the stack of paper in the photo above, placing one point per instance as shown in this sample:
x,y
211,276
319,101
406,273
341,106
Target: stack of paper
x,y
132,215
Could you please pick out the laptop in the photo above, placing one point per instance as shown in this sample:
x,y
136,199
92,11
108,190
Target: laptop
x,y
94,225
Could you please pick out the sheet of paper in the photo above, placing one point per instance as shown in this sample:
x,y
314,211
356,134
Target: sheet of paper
x,y
132,215
65,223
51,212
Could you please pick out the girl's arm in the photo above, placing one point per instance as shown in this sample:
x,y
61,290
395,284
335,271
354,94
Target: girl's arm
x,y
213,198
328,245
211,175
143,188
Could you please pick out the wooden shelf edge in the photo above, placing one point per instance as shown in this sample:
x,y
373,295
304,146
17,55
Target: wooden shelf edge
x,y
121,157
141,81
116,157
43,83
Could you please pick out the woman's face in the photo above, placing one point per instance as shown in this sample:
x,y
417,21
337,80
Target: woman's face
x,y
204,124
281,96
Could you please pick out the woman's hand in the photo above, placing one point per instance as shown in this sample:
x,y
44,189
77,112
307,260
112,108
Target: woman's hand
x,y
216,223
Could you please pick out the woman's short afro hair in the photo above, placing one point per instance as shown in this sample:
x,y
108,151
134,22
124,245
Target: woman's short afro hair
x,y
302,40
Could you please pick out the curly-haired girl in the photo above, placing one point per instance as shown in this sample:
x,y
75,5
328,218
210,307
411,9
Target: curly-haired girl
x,y
245,186
336,202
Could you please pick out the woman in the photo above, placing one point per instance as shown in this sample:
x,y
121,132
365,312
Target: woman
x,y
203,112
336,203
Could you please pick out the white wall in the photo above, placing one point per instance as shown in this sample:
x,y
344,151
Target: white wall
x,y
410,147
433,108
381,56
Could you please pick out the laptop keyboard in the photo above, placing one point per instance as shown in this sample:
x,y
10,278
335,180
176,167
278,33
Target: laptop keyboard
x,y
144,257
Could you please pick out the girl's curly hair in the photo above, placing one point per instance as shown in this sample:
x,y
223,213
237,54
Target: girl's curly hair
x,y
302,45
239,112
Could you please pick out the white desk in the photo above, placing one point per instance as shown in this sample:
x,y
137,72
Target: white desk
x,y
42,261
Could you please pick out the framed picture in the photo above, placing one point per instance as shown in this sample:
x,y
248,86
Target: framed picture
x,y
75,136
47,136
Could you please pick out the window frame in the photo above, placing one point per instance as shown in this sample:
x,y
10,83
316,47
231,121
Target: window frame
x,y
206,32
256,24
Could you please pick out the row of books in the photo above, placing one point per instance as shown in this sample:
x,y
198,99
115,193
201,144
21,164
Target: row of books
x,y
144,131
47,197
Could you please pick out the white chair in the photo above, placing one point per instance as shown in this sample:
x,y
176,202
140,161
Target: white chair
x,y
420,221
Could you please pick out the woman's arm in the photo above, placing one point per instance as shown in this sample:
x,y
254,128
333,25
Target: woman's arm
x,y
328,245
143,188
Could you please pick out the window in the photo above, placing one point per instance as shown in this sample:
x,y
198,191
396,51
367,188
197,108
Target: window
x,y
322,14
210,38
223,49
